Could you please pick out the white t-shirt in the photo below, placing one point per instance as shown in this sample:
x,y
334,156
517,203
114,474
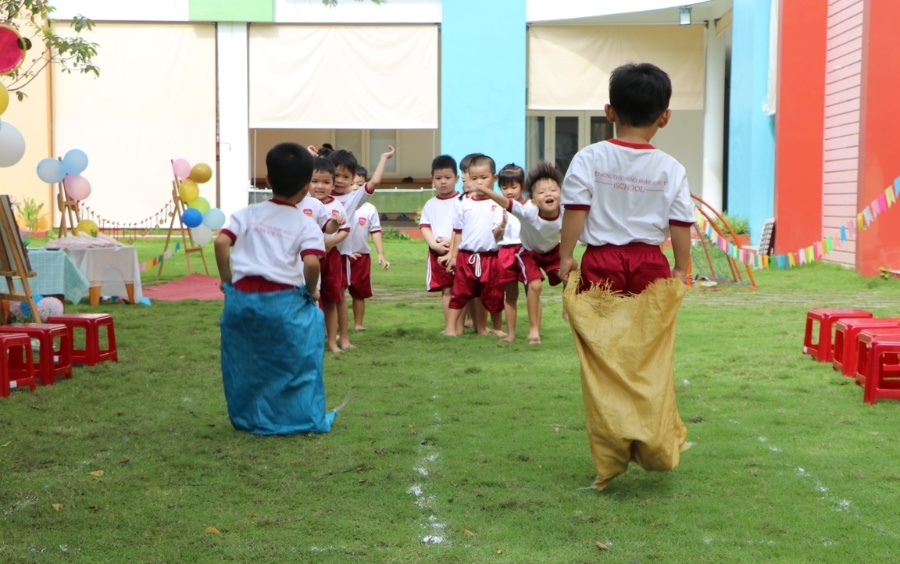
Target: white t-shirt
x,y
334,209
437,215
511,233
311,207
364,222
537,234
270,240
352,200
633,192
476,220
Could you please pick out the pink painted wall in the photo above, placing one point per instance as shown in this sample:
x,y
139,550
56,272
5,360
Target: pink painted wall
x,y
840,158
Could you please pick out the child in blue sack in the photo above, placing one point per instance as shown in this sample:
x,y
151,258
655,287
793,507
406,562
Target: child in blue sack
x,y
273,333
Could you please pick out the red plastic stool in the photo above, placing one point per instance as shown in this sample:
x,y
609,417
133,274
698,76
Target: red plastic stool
x,y
91,354
826,318
53,362
863,346
845,333
10,378
882,370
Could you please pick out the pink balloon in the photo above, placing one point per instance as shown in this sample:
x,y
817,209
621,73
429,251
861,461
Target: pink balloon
x,y
77,186
181,168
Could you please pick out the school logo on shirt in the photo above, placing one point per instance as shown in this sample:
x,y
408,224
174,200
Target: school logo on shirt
x,y
307,212
335,213
362,221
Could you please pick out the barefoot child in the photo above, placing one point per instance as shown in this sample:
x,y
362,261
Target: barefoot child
x,y
510,179
473,249
356,253
436,223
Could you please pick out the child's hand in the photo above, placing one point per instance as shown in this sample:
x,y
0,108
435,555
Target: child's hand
x,y
451,264
355,256
315,294
389,153
383,262
340,219
680,274
442,248
444,261
313,151
566,265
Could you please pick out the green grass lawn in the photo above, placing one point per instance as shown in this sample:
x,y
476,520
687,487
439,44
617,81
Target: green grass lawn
x,y
457,450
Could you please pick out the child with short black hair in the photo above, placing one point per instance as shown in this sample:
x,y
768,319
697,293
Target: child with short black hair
x,y
332,280
355,253
272,332
436,225
510,179
540,227
473,250
624,198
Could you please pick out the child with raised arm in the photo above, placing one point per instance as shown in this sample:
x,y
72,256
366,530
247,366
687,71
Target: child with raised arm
x,y
356,253
344,172
436,224
624,198
510,179
332,279
473,249
272,331
540,221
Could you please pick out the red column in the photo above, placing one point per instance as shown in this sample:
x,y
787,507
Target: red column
x,y
879,143
799,124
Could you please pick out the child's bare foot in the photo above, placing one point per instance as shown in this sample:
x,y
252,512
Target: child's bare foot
x,y
334,348
345,345
508,338
497,332
468,323
446,334
359,328
534,340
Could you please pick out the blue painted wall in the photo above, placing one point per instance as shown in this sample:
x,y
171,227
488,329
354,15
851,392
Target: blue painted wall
x,y
483,79
751,138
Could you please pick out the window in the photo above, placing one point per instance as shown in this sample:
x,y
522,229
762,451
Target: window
x,y
558,135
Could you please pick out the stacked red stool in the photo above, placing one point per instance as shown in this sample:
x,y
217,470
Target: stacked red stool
x,y
52,362
846,332
822,349
878,364
91,323
15,350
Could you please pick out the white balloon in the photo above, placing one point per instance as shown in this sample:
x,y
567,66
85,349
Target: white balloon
x,y
12,144
201,234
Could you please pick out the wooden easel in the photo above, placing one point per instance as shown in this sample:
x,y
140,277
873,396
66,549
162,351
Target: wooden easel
x,y
14,263
69,215
187,241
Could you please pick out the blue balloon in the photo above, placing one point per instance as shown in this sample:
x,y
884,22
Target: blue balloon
x,y
192,217
51,170
75,161
214,218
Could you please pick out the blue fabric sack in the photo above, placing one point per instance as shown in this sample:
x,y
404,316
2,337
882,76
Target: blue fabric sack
x,y
273,345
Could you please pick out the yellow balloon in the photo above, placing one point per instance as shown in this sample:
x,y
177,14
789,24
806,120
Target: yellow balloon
x,y
200,173
87,226
4,98
188,190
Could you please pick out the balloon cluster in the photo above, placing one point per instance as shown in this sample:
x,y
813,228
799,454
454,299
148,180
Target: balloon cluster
x,y
46,306
12,142
68,171
199,216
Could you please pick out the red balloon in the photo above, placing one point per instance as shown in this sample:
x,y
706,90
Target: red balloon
x,y
12,48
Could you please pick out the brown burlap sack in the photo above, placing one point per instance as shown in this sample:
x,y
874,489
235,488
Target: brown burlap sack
x,y
626,345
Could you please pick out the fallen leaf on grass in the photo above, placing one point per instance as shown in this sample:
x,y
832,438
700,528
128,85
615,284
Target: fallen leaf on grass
x,y
125,461
602,546
97,473
379,452
94,508
468,532
499,551
56,506
213,530
6,444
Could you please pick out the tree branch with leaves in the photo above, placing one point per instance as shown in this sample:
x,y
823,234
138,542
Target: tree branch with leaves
x,y
33,19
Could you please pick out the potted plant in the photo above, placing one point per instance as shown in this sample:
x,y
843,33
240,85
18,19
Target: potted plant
x,y
30,214
741,227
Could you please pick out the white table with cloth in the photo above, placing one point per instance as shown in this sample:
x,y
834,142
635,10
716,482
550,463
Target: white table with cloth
x,y
56,275
110,271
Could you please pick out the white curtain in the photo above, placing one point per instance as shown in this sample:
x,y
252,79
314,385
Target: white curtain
x,y
569,66
155,101
343,77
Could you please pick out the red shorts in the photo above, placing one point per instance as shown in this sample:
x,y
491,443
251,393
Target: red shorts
x,y
510,270
332,277
534,262
358,275
628,268
436,277
476,277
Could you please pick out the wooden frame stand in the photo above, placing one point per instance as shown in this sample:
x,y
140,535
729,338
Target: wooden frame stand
x,y
14,263
187,242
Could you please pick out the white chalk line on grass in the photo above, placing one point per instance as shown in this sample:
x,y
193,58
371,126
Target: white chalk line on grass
x,y
435,531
